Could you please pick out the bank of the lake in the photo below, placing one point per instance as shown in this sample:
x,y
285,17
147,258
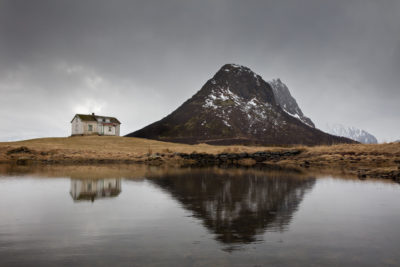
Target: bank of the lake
x,y
377,161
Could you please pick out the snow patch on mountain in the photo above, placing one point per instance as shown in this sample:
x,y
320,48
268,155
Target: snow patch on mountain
x,y
223,101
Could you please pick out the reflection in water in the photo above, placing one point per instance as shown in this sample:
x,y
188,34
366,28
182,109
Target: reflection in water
x,y
90,189
268,217
238,208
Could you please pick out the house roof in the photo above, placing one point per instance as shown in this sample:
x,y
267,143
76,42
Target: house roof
x,y
93,117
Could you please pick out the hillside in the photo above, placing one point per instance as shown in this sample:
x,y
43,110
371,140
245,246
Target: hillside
x,y
236,106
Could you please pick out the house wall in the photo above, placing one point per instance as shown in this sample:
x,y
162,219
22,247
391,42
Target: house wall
x,y
86,127
107,129
117,130
79,127
76,126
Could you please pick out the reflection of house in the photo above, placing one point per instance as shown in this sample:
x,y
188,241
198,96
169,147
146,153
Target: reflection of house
x,y
94,124
90,189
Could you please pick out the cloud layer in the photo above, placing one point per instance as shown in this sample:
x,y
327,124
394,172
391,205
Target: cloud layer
x,y
139,60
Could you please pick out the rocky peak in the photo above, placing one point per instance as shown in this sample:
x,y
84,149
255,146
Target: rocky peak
x,y
242,82
287,101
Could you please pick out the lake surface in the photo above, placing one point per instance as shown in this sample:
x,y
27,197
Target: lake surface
x,y
195,217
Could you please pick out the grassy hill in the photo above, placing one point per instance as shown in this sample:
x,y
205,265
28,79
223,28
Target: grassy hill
x,y
373,160
119,145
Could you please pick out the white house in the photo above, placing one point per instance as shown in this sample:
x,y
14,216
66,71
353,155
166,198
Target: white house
x,y
93,124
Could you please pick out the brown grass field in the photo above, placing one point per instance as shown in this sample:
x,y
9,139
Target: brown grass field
x,y
381,160
120,145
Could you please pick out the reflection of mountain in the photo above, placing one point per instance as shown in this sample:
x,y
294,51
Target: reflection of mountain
x,y
90,189
240,207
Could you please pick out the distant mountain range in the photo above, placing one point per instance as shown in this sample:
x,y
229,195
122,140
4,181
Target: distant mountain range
x,y
353,133
237,106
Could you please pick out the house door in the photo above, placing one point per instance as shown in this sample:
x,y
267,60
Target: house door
x,y
101,129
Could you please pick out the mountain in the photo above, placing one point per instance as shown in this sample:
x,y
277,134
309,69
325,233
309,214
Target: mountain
x,y
236,106
287,102
351,132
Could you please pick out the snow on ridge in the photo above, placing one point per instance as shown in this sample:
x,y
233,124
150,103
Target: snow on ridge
x,y
254,110
226,123
293,115
237,66
297,116
352,132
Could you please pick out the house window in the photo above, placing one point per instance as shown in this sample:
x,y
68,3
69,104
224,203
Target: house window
x,y
109,129
90,128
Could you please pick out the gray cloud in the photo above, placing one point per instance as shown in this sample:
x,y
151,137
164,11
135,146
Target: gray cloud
x,y
139,60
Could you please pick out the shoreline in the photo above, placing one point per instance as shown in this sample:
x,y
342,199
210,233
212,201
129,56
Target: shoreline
x,y
363,161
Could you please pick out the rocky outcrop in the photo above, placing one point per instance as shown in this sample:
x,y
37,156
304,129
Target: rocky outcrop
x,y
287,101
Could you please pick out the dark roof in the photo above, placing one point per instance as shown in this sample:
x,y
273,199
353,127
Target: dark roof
x,y
91,117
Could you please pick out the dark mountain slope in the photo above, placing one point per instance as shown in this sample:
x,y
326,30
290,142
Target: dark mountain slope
x,y
287,101
236,106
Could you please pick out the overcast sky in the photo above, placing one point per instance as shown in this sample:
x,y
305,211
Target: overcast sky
x,y
139,60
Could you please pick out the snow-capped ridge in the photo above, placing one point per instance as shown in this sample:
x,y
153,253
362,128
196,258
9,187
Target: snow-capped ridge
x,y
351,132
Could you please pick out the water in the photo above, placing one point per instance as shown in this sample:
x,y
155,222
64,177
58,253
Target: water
x,y
135,216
